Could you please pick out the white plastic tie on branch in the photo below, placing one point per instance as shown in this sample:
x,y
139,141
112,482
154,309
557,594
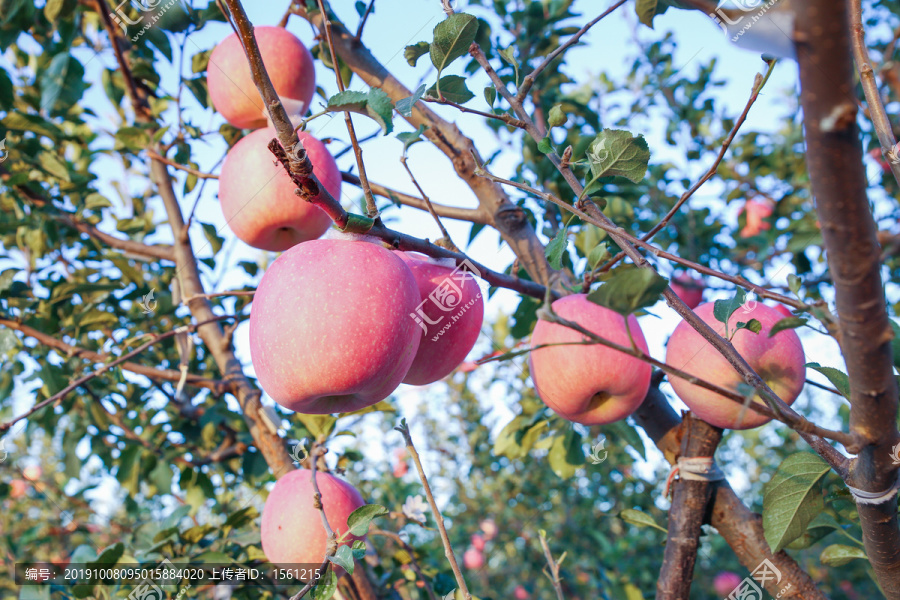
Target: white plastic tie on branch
x,y
694,468
864,497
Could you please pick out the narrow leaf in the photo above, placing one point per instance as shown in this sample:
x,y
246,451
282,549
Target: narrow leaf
x,y
838,378
639,518
405,105
837,555
787,323
556,247
359,519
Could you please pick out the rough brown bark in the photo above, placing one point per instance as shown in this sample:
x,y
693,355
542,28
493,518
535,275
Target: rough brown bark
x,y
686,515
837,175
740,527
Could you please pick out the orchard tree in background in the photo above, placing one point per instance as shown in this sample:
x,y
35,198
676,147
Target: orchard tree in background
x,y
110,328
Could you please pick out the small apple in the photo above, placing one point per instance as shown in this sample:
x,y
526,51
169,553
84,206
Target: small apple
x,y
473,559
726,582
401,466
32,472
477,542
257,195
288,63
687,288
520,593
779,360
757,211
588,384
330,329
449,316
17,488
490,529
292,531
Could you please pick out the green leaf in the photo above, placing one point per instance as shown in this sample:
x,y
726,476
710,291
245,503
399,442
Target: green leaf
x,y
794,283
411,137
6,89
647,9
452,88
566,454
452,38
326,587
723,309
793,498
415,51
134,139
629,290
639,518
320,426
556,247
343,558
381,109
213,237
787,323
348,100
545,146
490,95
360,7
200,61
837,555
405,105
359,519
615,152
18,121
62,82
556,117
598,255
55,166
838,379
110,555
358,549
753,325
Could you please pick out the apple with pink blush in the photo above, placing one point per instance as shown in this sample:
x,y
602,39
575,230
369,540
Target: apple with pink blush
x,y
288,63
779,360
292,531
257,194
330,326
588,384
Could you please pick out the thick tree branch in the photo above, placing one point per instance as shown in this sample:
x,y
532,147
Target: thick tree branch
x,y
690,499
510,220
740,527
837,175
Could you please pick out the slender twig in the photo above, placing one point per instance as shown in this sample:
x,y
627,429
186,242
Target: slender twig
x,y
437,219
158,251
473,215
880,120
412,558
505,117
553,565
180,167
758,83
363,19
187,300
85,378
529,79
403,428
371,208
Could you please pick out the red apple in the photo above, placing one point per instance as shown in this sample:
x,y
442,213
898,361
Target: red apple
x,y
490,529
520,593
687,288
257,195
779,360
477,542
726,582
588,384
17,488
757,211
330,329
401,465
473,559
288,63
449,316
292,531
